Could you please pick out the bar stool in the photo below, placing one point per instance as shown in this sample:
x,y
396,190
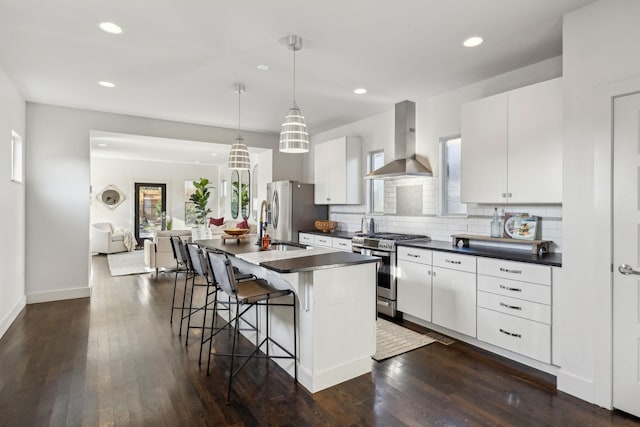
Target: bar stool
x,y
245,295
181,266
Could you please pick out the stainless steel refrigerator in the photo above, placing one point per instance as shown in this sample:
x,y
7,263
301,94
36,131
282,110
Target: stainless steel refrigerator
x,y
291,209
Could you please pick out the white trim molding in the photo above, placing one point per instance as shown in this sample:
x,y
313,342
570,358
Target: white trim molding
x,y
58,295
6,322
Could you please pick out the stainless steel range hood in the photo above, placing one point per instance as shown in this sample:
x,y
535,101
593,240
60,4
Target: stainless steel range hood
x,y
406,164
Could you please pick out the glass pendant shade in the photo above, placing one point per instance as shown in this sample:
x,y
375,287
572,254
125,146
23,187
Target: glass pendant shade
x,y
239,155
294,137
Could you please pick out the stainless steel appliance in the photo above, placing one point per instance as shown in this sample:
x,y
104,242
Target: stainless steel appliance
x,y
383,245
291,209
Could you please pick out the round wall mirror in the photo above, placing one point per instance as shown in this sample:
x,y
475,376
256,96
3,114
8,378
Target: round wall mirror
x,y
235,194
245,194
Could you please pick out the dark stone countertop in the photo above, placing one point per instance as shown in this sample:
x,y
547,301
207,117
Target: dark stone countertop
x,y
551,259
335,233
291,265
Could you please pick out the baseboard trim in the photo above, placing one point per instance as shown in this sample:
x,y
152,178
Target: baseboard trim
x,y
58,295
6,322
575,385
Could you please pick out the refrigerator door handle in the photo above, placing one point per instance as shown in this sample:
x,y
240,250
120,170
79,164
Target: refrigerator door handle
x,y
275,209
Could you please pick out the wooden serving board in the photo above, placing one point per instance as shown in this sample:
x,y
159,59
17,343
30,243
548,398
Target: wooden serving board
x,y
237,238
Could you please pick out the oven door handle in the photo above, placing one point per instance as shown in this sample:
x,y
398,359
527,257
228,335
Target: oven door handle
x,y
382,254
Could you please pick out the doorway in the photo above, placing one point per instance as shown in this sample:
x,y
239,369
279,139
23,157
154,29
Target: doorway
x,y
149,209
626,253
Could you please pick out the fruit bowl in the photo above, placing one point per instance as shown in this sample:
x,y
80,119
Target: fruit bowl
x,y
325,226
236,231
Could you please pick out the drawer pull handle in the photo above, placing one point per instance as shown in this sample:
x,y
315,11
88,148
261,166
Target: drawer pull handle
x,y
510,289
452,262
413,255
513,307
511,334
506,270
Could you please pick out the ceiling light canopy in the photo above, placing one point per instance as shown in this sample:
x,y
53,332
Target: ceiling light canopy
x,y
473,41
239,155
293,136
104,83
110,27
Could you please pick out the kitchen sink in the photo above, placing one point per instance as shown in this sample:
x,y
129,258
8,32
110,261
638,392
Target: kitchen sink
x,y
286,246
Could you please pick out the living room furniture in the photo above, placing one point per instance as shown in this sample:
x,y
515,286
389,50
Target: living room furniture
x,y
158,252
107,239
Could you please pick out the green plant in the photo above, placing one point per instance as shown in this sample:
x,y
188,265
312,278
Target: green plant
x,y
169,223
200,198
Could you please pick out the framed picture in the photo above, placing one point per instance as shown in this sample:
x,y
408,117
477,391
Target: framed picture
x,y
521,226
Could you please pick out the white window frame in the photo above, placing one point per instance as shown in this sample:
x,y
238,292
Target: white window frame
x,y
442,199
370,182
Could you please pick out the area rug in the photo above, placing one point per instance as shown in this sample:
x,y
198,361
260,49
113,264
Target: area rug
x,y
125,263
442,339
393,340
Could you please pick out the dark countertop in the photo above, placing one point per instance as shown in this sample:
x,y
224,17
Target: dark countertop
x,y
335,233
552,259
291,265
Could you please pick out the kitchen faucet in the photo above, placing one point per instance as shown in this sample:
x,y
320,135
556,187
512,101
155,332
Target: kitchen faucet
x,y
262,221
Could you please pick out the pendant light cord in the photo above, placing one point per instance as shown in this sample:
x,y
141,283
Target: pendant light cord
x,y
294,75
239,94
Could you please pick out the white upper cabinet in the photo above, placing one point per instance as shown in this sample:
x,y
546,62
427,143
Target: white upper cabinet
x,y
512,146
338,172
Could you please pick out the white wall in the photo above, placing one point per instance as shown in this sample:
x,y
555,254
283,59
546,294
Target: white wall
x,y
124,173
438,117
58,176
600,47
12,249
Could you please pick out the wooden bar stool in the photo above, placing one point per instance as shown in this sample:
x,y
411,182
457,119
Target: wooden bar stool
x,y
245,295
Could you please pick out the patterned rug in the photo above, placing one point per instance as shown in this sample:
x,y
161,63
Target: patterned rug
x,y
125,263
393,340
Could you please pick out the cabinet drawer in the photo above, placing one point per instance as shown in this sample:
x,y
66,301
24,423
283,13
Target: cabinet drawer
x,y
342,244
454,261
515,307
307,239
526,337
422,256
515,289
325,241
515,270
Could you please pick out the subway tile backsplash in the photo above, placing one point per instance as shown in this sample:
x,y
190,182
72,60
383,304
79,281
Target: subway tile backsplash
x,y
477,221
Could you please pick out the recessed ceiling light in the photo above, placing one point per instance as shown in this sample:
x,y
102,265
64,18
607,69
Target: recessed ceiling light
x,y
473,41
103,145
213,154
263,67
360,91
197,162
110,27
106,84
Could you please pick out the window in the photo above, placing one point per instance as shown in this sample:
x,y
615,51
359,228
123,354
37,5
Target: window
x,y
376,186
16,157
450,177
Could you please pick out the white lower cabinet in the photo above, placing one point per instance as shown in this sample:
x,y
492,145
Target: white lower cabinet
x,y
306,239
322,241
341,244
414,282
454,300
325,241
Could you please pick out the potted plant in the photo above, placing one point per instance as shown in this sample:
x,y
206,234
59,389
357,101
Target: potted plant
x,y
200,198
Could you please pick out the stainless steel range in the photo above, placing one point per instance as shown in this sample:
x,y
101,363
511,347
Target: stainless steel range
x,y
383,245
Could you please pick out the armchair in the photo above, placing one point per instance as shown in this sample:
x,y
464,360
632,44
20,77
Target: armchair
x,y
106,239
159,253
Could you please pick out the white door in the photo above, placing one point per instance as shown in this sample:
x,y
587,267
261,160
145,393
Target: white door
x,y
626,254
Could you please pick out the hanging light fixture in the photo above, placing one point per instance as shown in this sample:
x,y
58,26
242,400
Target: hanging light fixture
x,y
294,137
239,154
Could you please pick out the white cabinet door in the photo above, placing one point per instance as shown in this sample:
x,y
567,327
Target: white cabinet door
x,y
454,300
324,241
341,244
484,150
306,239
337,171
535,143
414,289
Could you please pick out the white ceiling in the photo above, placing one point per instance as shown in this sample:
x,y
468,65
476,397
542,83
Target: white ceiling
x,y
178,60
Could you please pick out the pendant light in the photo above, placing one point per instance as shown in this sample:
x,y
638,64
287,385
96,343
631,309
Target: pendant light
x,y
239,154
294,137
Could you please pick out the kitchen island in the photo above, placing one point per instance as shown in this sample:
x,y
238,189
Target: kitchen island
x,y
336,296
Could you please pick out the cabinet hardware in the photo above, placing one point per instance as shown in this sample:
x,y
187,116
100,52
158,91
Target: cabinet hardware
x,y
433,273
506,270
504,195
452,262
510,289
413,255
429,272
627,269
511,334
513,307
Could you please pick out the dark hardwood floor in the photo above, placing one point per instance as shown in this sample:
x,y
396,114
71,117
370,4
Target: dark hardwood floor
x,y
114,359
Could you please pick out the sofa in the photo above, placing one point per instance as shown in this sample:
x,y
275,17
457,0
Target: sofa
x,y
107,239
158,252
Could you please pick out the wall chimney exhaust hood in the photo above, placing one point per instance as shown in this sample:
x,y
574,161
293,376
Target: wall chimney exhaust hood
x,y
405,165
